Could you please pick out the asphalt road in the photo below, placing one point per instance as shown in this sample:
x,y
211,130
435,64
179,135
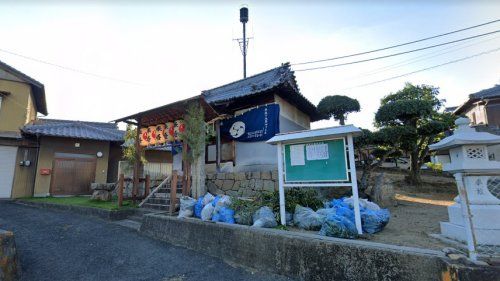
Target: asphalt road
x,y
57,245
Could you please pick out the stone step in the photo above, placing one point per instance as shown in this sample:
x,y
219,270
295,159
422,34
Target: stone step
x,y
157,206
483,216
483,236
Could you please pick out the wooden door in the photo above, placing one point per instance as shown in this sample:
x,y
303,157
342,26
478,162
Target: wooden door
x,y
73,175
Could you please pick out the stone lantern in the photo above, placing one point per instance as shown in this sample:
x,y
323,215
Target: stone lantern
x,y
475,217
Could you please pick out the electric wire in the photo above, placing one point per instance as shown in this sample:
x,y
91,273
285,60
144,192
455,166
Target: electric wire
x,y
400,53
423,69
70,68
399,45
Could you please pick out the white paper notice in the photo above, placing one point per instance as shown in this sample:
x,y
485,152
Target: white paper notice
x,y
317,151
297,155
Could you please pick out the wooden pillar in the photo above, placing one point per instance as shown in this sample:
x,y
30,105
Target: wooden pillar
x,y
135,188
120,190
173,192
147,186
217,145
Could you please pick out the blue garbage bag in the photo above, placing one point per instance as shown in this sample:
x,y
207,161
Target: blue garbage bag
x,y
216,199
346,212
373,221
226,215
338,226
198,207
336,203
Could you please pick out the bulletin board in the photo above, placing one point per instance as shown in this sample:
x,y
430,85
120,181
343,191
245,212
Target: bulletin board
x,y
316,161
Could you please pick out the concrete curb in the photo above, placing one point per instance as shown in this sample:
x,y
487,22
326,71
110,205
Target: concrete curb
x,y
308,256
111,215
9,262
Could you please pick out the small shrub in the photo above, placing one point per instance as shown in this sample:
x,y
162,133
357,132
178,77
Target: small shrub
x,y
295,196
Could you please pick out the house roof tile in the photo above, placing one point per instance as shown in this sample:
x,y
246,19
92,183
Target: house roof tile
x,y
75,129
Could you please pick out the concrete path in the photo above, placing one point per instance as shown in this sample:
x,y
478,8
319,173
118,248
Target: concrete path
x,y
57,245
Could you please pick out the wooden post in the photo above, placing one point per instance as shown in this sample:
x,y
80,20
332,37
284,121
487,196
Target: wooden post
x,y
135,188
147,186
120,190
173,192
217,145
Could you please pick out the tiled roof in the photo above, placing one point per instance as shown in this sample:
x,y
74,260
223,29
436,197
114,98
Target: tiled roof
x,y
37,87
75,129
483,94
259,83
487,93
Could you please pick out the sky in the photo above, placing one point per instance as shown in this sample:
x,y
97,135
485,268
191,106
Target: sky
x,y
146,54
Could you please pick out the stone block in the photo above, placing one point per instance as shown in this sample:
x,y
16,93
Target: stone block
x,y
274,175
227,185
266,175
240,176
102,195
259,184
103,186
211,187
236,185
221,176
268,185
248,193
211,176
230,176
219,183
255,175
244,183
251,184
248,175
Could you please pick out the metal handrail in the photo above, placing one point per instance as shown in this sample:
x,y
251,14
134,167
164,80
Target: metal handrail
x,y
156,189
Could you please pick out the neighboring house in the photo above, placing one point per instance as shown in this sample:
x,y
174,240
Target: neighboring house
x,y
275,86
21,98
73,154
482,108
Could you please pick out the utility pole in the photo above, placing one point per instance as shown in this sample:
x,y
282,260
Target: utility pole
x,y
243,42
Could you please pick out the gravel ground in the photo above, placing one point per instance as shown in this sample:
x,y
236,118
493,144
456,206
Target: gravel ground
x,y
56,245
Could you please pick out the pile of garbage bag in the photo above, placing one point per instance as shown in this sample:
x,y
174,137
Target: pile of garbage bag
x,y
336,219
207,208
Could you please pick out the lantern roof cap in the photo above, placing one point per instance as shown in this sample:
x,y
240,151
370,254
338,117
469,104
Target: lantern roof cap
x,y
463,135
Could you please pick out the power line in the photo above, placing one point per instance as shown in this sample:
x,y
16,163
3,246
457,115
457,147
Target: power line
x,y
70,68
423,69
398,45
398,54
421,58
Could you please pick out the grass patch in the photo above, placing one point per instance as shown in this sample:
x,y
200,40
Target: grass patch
x,y
83,201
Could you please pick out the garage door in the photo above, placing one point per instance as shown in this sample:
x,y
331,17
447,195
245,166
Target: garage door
x,y
7,167
73,174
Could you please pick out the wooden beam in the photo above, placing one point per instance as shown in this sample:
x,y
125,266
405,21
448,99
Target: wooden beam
x,y
147,186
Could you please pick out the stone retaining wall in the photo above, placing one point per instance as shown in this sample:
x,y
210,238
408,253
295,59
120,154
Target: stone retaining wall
x,y
308,256
245,184
9,264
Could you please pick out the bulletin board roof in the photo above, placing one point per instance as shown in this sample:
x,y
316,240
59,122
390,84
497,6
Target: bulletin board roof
x,y
317,134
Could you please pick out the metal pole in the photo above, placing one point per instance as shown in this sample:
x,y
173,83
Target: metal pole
x,y
354,180
280,185
469,229
244,52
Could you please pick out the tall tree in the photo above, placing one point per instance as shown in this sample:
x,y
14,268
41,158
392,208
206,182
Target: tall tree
x,y
194,136
414,112
338,107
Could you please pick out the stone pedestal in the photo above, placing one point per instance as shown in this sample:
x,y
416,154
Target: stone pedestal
x,y
475,217
102,191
